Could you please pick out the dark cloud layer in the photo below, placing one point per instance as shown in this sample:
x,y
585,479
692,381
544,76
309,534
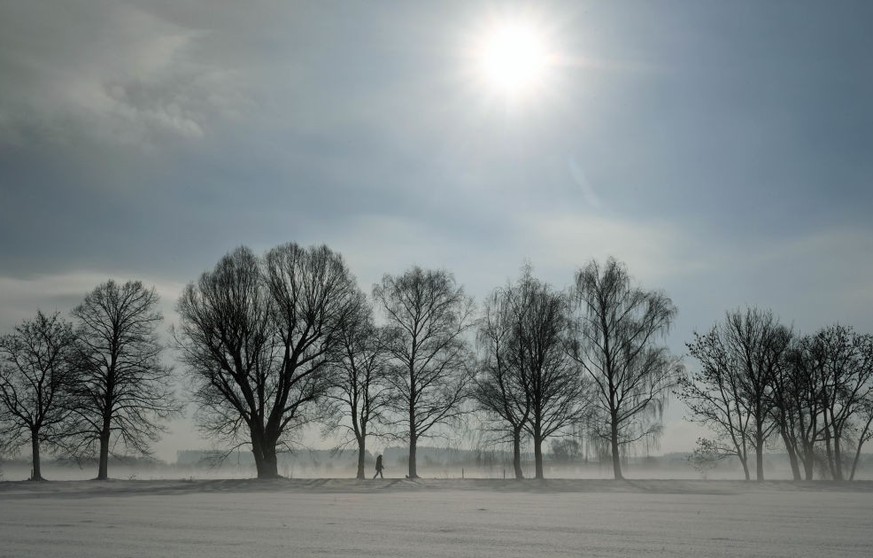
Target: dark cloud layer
x,y
137,134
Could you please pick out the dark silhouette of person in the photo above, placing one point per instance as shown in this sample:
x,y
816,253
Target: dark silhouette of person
x,y
379,467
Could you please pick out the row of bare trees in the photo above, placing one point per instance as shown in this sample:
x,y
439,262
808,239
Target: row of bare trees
x,y
276,341
272,342
592,355
760,383
90,386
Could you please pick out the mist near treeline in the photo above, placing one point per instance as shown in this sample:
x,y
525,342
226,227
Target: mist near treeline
x,y
438,464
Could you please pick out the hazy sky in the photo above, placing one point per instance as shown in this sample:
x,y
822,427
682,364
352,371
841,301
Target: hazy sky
x,y
723,150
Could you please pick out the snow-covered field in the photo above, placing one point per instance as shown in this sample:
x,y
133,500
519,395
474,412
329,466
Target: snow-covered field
x,y
423,519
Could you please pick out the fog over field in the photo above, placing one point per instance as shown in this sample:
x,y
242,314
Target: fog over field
x,y
403,518
676,470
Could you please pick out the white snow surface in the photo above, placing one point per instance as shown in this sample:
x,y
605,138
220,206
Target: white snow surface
x,y
430,518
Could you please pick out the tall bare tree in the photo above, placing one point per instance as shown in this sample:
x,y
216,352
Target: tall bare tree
x,y
615,338
797,404
499,386
35,377
715,399
741,359
359,388
798,399
864,430
758,343
556,388
122,389
847,364
427,316
257,336
226,339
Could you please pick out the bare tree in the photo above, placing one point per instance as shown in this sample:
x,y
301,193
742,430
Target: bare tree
x,y
706,455
865,430
787,413
35,376
500,387
427,316
614,337
824,395
557,391
741,360
359,388
257,336
122,389
226,339
715,399
797,404
847,364
799,397
758,343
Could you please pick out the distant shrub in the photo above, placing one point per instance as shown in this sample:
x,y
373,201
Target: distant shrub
x,y
705,457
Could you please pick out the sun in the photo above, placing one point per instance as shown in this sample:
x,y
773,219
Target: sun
x,y
513,58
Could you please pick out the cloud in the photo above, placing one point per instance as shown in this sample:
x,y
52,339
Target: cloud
x,y
653,250
815,279
108,71
21,298
584,184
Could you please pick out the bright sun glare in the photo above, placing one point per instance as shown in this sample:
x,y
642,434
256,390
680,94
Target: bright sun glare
x,y
513,58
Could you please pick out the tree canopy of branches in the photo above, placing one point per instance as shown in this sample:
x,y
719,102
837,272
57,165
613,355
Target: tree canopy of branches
x,y
35,379
427,316
359,388
557,390
714,398
615,338
845,368
798,401
741,359
122,391
499,387
526,379
257,335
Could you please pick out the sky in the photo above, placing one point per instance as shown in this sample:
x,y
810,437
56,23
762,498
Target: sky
x,y
722,150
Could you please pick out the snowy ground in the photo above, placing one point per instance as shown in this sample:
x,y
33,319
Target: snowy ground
x,y
475,518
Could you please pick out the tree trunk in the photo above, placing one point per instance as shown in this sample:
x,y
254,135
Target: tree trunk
x,y
861,440
759,461
829,451
616,457
103,462
759,452
362,452
806,448
792,455
742,452
808,459
838,459
413,473
516,454
36,474
266,463
264,452
413,435
538,454
746,472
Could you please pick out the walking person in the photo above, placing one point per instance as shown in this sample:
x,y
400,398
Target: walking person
x,y
379,467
